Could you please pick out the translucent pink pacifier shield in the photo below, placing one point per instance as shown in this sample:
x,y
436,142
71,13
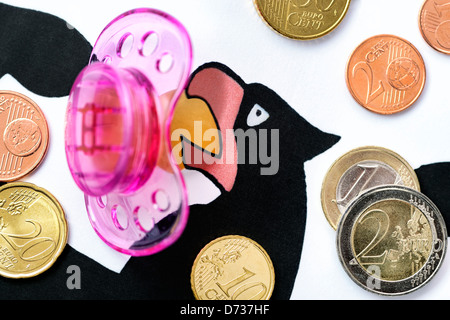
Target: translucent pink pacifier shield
x,y
117,132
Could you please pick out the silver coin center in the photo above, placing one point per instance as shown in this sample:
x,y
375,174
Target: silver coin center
x,y
362,176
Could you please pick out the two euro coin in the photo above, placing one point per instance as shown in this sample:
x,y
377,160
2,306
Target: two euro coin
x,y
392,240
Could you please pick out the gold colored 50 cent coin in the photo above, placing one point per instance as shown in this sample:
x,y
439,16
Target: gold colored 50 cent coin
x,y
302,19
359,170
232,268
33,230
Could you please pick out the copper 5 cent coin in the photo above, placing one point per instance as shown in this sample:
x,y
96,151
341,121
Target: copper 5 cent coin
x,y
33,230
232,268
302,19
434,24
357,171
385,74
25,135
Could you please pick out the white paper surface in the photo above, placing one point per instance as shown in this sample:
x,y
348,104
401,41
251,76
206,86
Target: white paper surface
x,y
310,77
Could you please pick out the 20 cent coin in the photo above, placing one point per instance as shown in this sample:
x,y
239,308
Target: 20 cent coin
x,y
33,230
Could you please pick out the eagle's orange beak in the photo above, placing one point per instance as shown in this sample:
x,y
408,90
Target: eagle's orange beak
x,y
202,126
192,125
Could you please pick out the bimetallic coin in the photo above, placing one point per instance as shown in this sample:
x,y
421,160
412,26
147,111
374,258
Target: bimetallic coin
x,y
434,24
33,230
359,170
385,74
302,19
392,240
232,268
25,136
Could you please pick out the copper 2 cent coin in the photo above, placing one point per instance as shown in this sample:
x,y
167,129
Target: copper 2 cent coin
x,y
385,74
434,24
25,135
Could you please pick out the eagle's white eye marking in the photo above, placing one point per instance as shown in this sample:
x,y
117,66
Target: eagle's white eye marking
x,y
257,116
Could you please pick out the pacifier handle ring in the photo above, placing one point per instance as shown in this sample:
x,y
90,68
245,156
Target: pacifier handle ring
x,y
135,39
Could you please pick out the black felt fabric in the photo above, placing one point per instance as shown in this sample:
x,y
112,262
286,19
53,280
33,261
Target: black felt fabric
x,y
41,51
43,54
434,180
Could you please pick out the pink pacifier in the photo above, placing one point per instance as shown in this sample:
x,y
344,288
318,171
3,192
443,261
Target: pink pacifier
x,y
117,132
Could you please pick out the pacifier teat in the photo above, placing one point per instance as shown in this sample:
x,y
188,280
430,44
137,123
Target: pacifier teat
x,y
117,138
113,132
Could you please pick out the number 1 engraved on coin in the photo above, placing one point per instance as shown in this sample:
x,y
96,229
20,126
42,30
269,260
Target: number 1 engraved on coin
x,y
359,170
362,176
237,283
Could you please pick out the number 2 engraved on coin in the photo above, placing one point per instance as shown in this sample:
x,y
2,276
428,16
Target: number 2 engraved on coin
x,y
371,94
408,248
33,241
21,200
383,225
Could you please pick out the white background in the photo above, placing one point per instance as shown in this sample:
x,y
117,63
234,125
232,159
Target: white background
x,y
310,77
